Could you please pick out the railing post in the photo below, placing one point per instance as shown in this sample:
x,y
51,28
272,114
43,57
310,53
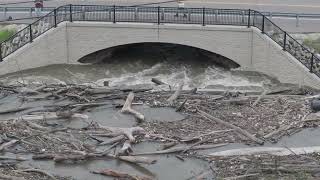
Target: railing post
x,y
55,17
203,16
83,13
216,15
135,13
5,12
114,13
262,30
30,12
162,14
253,18
284,40
70,12
30,33
1,52
297,20
249,14
311,64
158,15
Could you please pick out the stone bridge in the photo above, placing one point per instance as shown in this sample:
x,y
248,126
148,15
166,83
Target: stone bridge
x,y
244,36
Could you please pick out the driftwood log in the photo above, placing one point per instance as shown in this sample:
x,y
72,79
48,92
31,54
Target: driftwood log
x,y
175,95
236,128
127,108
181,149
8,144
126,149
128,132
277,151
120,175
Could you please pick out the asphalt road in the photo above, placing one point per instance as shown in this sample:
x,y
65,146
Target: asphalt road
x,y
299,6
289,24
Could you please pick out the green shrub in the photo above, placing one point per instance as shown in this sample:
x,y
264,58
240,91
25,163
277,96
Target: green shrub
x,y
5,34
315,44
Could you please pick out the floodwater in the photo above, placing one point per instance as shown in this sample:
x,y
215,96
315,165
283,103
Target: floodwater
x,y
137,65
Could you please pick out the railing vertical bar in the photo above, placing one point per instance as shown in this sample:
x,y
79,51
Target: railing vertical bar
x,y
70,12
254,17
1,59
285,41
114,13
30,33
158,15
55,17
311,64
262,30
203,16
249,14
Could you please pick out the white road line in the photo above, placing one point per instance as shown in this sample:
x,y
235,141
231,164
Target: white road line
x,y
255,4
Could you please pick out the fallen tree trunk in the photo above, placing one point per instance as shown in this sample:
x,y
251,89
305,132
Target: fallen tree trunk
x,y
277,151
127,108
118,174
7,177
14,110
13,158
236,128
112,140
128,132
180,149
157,81
50,116
40,171
136,159
8,144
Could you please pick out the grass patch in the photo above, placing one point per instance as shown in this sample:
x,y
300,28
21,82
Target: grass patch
x,y
5,34
315,44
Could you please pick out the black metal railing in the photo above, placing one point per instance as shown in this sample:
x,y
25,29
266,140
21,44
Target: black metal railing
x,y
161,15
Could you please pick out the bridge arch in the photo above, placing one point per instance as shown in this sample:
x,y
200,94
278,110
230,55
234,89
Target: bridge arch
x,y
159,50
234,43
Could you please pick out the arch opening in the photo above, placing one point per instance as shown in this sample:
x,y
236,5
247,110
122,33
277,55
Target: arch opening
x,y
151,52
